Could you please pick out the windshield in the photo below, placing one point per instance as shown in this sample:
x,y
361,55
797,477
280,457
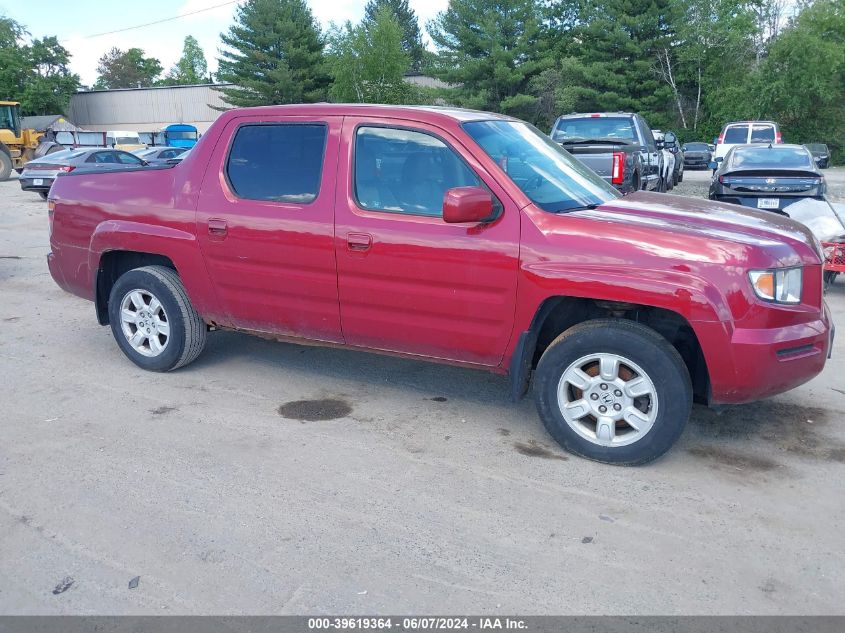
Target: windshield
x,y
549,175
787,157
696,147
595,128
816,147
182,136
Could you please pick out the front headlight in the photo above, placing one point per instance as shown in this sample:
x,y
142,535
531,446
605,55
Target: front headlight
x,y
781,285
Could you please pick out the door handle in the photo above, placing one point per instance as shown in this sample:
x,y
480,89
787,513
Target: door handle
x,y
217,228
359,241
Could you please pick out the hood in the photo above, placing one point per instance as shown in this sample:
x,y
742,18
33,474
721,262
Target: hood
x,y
682,220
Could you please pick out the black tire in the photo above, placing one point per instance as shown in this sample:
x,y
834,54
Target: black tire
x,y
829,278
641,345
661,185
43,195
680,176
5,166
187,330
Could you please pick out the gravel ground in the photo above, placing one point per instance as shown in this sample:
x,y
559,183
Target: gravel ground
x,y
427,492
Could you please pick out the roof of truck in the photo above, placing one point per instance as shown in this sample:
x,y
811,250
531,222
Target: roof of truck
x,y
365,109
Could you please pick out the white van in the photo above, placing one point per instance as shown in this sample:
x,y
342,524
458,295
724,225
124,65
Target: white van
x,y
127,141
747,132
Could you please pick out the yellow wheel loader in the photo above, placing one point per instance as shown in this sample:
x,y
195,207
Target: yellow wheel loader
x,y
17,146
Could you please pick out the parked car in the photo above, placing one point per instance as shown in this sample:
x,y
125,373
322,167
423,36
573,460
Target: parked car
x,y
39,174
668,171
767,177
747,133
671,144
821,154
697,155
456,236
179,157
159,155
618,146
125,140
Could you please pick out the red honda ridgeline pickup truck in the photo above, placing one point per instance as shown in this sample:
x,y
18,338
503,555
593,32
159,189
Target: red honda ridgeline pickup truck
x,y
457,236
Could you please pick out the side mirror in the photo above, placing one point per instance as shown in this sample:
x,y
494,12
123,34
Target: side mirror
x,y
713,165
463,205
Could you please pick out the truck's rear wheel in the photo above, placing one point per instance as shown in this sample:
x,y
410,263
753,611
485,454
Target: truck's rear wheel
x,y
153,320
613,391
5,166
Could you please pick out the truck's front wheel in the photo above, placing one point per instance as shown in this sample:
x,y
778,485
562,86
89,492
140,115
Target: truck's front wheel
x,y
153,320
5,166
613,391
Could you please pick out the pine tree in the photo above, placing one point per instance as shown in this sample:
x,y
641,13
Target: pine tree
x,y
273,55
615,65
406,17
192,68
488,48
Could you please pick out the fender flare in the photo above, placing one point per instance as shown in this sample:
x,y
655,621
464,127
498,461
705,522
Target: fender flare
x,y
701,302
179,246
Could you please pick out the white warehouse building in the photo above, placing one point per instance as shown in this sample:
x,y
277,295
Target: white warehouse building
x,y
146,109
152,109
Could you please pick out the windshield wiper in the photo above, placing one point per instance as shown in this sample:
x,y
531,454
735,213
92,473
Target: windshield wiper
x,y
588,207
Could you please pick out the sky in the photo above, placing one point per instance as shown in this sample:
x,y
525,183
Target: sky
x,y
74,22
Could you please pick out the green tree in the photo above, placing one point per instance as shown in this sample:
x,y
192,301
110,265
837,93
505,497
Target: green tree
x,y
14,58
192,68
367,62
50,83
127,69
614,66
273,54
488,48
691,62
802,80
411,39
35,73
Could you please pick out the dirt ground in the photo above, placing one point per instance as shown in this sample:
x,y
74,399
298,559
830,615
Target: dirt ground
x,y
400,487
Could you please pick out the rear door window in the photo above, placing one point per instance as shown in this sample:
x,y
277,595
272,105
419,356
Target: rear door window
x,y
736,134
281,162
404,171
128,159
762,134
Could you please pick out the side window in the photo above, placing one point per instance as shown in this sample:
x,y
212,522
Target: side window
x,y
282,162
128,159
648,136
402,171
